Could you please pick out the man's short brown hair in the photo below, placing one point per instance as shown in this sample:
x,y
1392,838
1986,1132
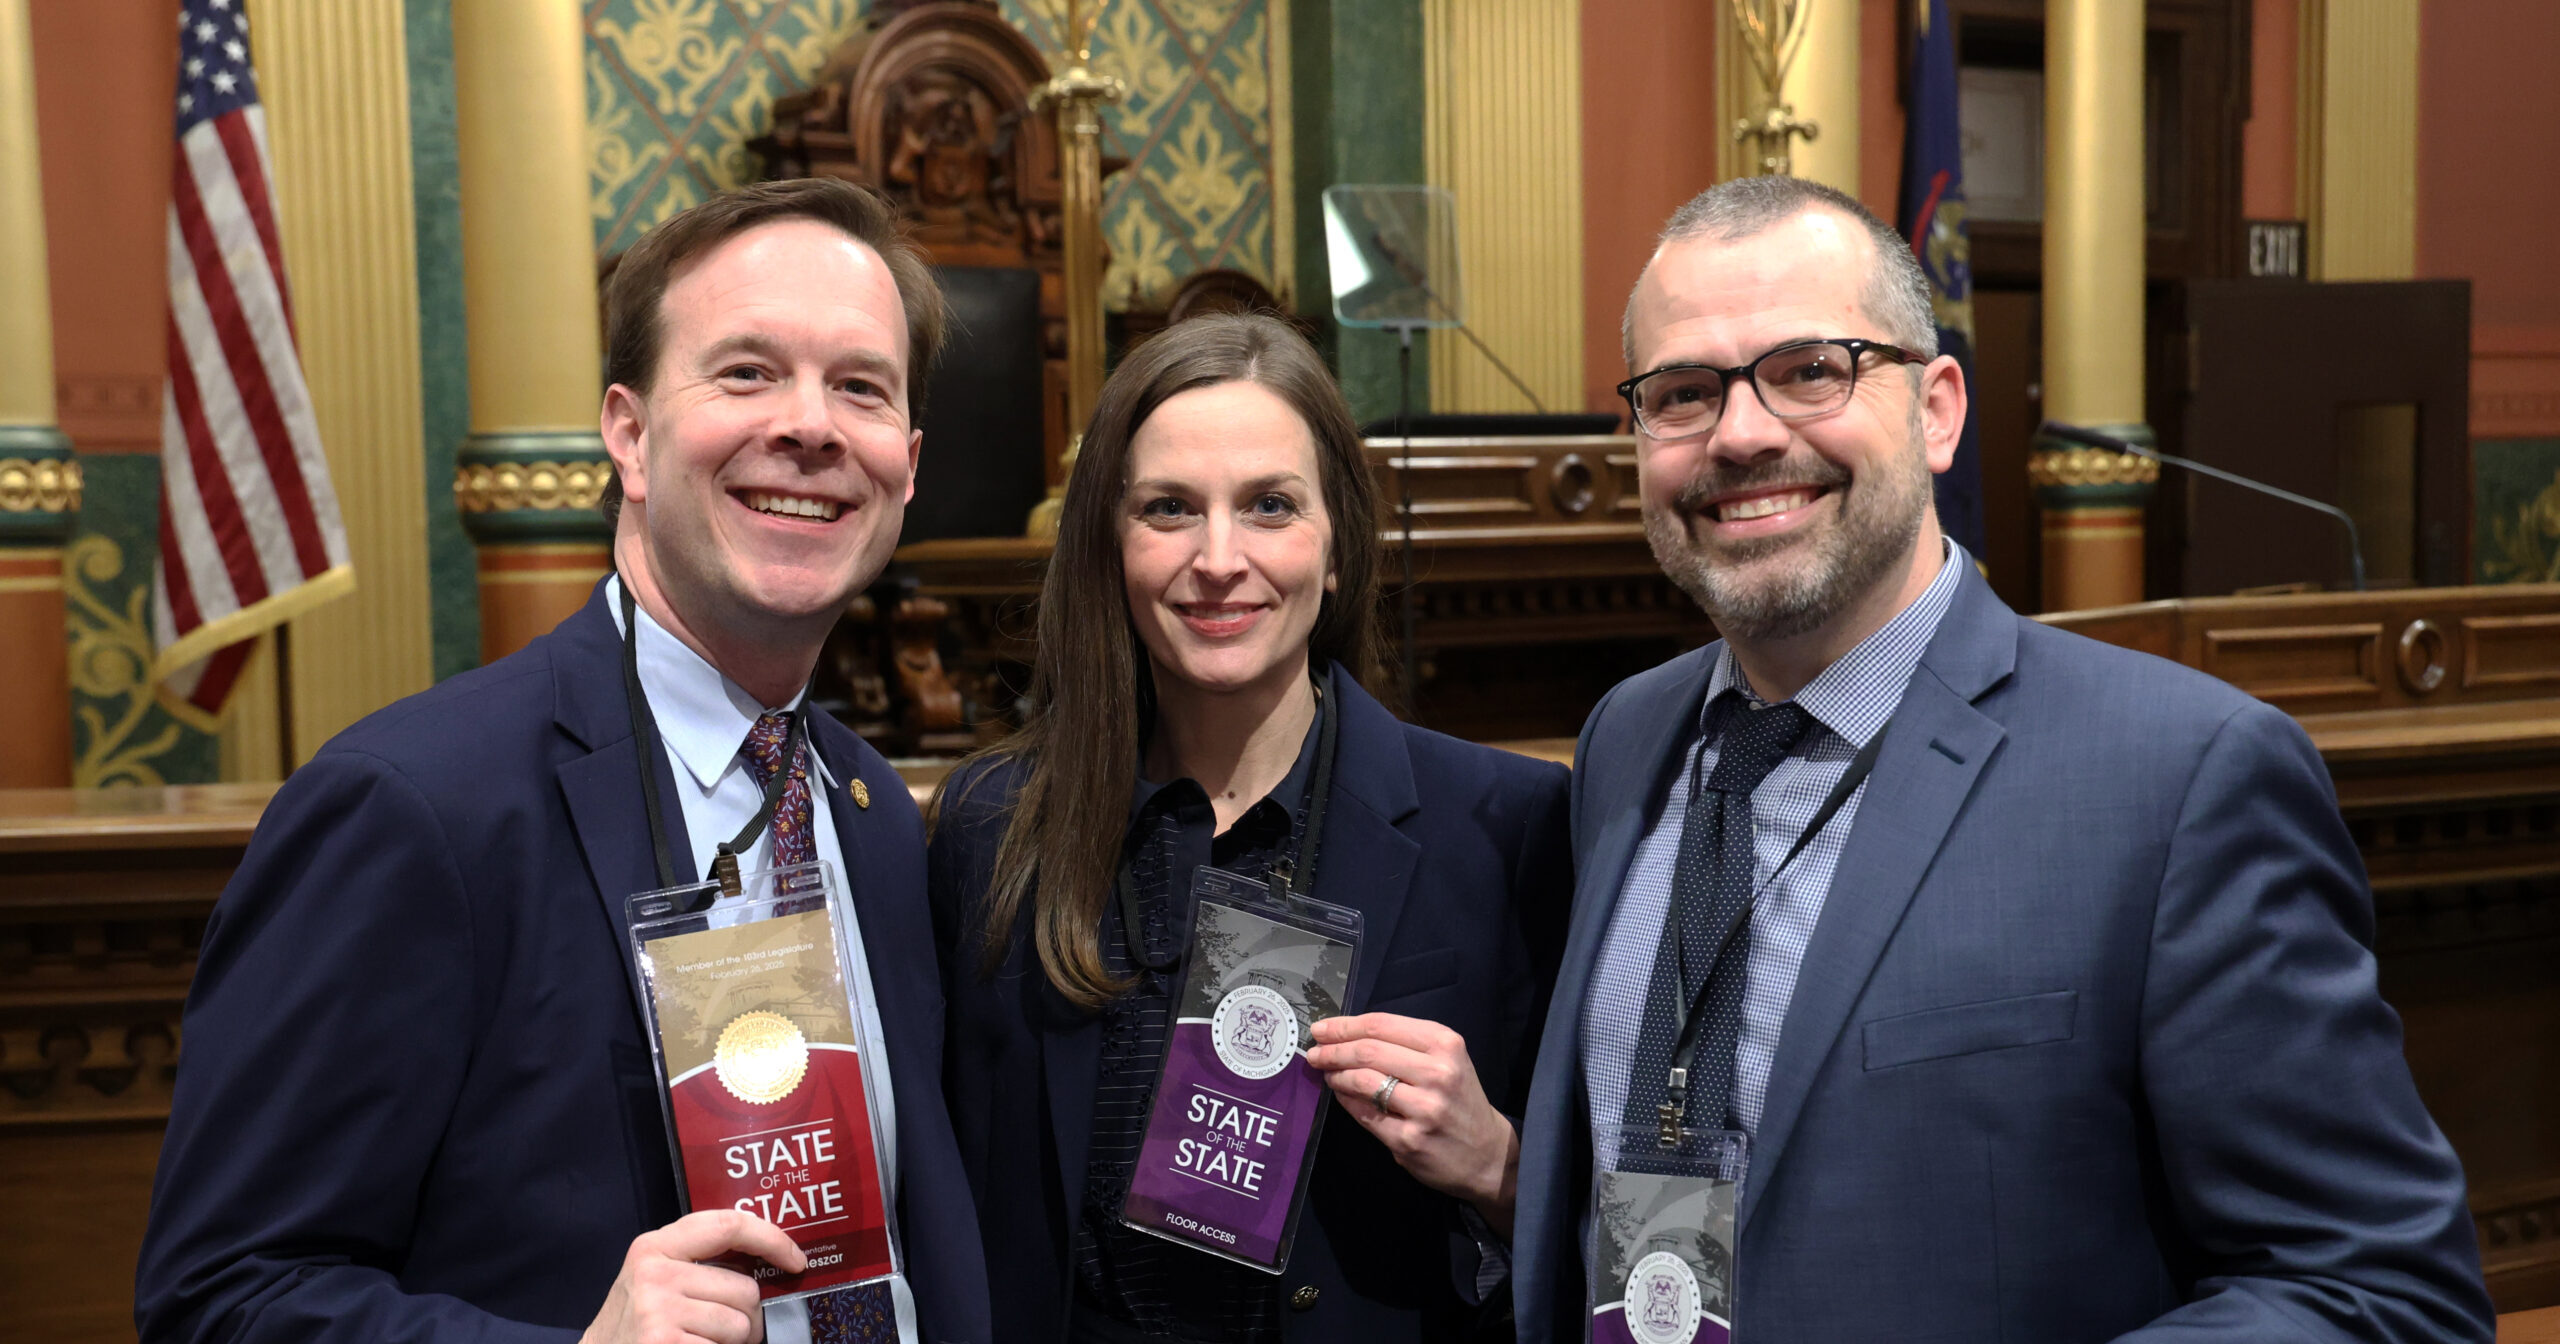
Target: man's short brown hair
x,y
633,327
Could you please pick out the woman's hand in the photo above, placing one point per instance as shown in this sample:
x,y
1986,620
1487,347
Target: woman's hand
x,y
1436,1121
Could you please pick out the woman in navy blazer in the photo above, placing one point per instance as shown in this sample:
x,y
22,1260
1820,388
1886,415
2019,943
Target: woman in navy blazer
x,y
1215,571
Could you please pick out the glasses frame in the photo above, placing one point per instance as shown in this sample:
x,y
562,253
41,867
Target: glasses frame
x,y
1857,346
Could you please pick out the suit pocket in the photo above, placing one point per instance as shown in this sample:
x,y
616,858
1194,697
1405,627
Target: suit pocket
x,y
1971,1028
1417,973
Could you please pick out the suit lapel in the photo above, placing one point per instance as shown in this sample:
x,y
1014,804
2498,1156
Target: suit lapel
x,y
869,880
1367,863
1624,793
602,788
1934,750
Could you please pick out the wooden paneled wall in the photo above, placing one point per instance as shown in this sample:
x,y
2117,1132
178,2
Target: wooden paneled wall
x,y
1502,130
2359,126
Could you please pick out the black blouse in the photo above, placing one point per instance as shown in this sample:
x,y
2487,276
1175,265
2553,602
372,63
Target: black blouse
x,y
1146,1286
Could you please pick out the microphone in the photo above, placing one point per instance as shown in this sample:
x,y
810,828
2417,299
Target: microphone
x,y
2094,439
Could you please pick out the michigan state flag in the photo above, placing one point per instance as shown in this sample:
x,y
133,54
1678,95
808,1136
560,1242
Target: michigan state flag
x,y
1931,215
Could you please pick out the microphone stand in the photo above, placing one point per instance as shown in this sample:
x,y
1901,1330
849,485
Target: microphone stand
x,y
1404,502
2093,439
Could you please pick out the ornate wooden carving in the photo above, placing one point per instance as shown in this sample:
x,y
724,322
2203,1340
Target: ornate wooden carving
x,y
933,109
103,901
1211,291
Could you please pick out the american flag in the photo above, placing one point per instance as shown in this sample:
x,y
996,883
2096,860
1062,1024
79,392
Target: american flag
x,y
249,528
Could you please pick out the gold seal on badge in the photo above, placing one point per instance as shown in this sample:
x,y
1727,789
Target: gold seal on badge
x,y
861,794
761,1057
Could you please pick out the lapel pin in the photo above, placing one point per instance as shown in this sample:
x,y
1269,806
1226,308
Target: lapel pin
x,y
861,794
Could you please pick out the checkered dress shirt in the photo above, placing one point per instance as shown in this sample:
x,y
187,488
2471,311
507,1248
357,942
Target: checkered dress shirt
x,y
1850,702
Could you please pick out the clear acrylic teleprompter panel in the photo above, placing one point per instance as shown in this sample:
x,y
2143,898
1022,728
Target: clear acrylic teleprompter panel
x,y
1392,255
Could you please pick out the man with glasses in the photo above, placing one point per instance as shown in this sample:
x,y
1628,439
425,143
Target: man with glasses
x,y
2020,987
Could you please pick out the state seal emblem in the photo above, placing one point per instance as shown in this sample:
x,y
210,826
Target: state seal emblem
x,y
1662,1300
761,1057
1255,1031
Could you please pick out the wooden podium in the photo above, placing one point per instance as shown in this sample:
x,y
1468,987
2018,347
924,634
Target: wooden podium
x,y
2438,713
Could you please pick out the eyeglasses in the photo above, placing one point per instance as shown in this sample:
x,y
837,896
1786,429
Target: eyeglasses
x,y
1795,382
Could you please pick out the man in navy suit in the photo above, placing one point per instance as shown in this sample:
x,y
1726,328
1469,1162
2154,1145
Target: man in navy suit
x,y
2061,1025
417,1101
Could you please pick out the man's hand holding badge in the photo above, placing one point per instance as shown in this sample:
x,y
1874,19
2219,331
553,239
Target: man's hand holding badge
x,y
1411,1083
665,1293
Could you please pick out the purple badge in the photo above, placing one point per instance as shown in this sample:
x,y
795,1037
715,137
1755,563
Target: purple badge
x,y
1237,1108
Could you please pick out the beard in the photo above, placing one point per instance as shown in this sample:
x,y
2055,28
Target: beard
x,y
1783,586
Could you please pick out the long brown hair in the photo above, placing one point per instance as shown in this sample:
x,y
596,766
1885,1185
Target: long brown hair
x,y
1092,686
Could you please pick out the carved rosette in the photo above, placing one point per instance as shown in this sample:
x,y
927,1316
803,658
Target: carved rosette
x,y
2073,476
39,486
531,488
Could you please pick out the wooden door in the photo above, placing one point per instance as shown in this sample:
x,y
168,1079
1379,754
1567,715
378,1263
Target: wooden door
x,y
2353,394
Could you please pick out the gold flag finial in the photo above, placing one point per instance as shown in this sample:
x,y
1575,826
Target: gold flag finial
x,y
1772,32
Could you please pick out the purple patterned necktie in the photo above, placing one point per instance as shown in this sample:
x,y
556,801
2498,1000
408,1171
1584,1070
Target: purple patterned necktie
x,y
861,1314
763,750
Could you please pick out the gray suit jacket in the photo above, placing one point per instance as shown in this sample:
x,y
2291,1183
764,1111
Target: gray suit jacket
x,y
2086,1044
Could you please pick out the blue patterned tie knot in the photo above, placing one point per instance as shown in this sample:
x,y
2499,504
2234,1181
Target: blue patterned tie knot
x,y
1754,741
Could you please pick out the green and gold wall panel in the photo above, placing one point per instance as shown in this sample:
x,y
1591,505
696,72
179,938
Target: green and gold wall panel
x,y
676,88
2515,511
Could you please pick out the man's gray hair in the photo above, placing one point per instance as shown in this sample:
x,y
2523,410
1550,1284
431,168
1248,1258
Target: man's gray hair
x,y
1897,296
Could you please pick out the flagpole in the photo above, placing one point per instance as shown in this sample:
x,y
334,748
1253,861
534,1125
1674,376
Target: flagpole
x,y
284,699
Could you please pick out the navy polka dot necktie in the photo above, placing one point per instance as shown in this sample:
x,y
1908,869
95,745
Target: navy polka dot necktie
x,y
1711,882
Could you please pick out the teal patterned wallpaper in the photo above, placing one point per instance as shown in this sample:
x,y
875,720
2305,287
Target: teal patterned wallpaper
x,y
675,89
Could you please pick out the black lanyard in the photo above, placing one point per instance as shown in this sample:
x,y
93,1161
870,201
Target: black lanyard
x,y
644,726
1295,874
1676,1103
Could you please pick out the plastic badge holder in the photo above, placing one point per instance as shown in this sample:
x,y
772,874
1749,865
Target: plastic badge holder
x,y
763,1069
1231,1137
1662,1227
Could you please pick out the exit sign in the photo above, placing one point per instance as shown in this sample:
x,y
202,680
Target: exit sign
x,y
2277,248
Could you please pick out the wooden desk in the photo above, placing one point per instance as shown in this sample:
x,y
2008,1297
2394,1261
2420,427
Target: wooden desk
x,y
103,898
2530,1327
2437,711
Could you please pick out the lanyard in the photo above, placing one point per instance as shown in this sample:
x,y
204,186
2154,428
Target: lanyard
x,y
1675,1104
1294,874
644,726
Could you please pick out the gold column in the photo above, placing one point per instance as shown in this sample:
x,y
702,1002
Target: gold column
x,y
1075,96
2359,138
1502,127
334,76
528,477
39,481
2093,307
1824,88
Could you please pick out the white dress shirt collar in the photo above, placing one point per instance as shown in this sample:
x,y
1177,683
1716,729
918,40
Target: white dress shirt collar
x,y
702,715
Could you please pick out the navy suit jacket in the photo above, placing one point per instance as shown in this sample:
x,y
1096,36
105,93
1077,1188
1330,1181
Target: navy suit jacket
x,y
416,1101
2086,1043
1455,854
